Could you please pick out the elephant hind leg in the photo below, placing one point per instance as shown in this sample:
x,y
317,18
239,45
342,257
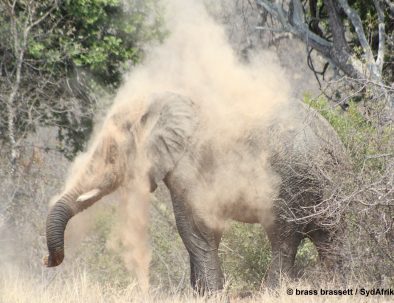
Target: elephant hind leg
x,y
324,240
284,249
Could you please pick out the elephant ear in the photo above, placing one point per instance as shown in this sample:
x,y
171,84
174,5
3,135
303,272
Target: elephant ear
x,y
174,120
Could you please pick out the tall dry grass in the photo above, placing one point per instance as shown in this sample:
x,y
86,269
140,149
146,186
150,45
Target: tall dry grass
x,y
18,287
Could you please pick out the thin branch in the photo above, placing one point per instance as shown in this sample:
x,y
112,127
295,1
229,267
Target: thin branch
x,y
44,16
271,29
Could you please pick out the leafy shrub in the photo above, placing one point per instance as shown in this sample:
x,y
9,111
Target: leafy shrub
x,y
368,235
245,253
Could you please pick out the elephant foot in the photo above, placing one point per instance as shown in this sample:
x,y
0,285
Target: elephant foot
x,y
201,289
54,259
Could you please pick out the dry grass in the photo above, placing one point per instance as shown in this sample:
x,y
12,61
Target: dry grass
x,y
16,286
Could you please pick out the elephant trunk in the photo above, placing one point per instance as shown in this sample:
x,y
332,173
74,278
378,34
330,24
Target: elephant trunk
x,y
65,208
57,220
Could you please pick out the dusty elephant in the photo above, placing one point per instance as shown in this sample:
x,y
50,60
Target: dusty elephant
x,y
299,162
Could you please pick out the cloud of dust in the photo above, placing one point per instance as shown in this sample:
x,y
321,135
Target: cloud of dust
x,y
198,62
130,237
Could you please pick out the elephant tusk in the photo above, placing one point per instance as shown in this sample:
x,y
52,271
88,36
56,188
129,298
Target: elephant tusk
x,y
89,195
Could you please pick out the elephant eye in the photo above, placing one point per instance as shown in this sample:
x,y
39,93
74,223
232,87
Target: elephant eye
x,y
144,118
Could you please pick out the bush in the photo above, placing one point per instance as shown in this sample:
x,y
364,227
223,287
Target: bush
x,y
368,235
245,253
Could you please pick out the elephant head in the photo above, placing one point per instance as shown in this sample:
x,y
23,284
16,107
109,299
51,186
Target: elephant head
x,y
160,135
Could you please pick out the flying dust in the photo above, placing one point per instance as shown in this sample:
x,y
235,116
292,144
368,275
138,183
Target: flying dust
x,y
198,62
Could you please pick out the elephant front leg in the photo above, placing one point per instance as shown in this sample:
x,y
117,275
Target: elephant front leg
x,y
205,273
202,244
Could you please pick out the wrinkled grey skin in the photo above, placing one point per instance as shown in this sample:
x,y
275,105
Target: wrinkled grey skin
x,y
184,161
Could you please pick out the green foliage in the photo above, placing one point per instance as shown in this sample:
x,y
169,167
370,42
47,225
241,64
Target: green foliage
x,y
361,136
317,19
245,252
78,51
170,261
104,36
307,255
105,266
368,213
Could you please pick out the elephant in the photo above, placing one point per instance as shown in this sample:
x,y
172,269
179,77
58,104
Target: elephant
x,y
302,157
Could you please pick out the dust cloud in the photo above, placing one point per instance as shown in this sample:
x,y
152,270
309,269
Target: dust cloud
x,y
196,61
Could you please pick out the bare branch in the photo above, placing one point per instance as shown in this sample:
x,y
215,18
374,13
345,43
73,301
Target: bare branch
x,y
382,36
20,41
358,26
337,29
275,10
297,26
19,51
391,6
